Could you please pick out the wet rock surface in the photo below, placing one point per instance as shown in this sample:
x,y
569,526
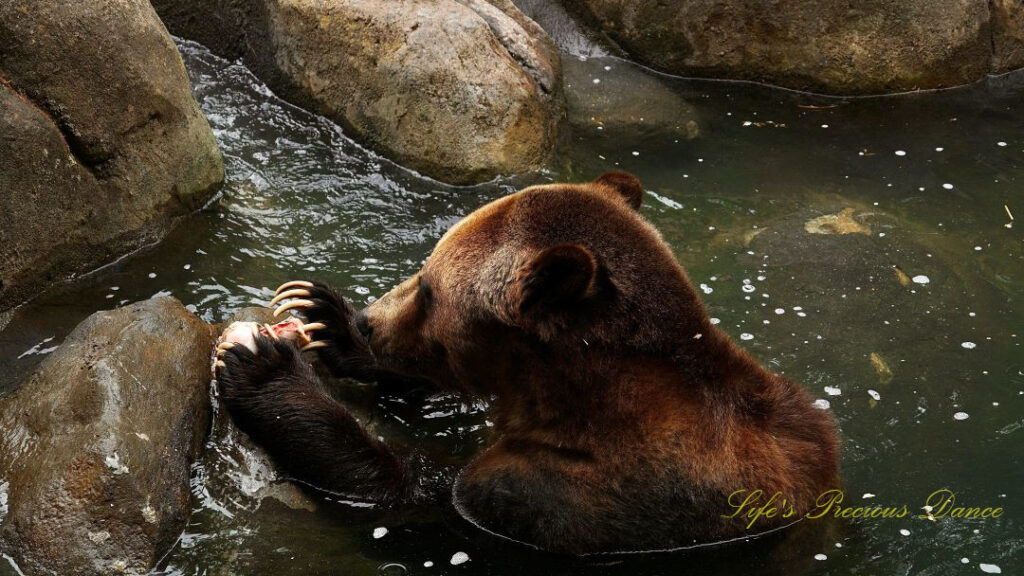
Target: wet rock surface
x,y
834,47
102,146
458,90
98,443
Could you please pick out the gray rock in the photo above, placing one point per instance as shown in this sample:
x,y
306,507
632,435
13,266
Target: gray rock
x,y
1007,35
458,90
102,146
833,46
97,444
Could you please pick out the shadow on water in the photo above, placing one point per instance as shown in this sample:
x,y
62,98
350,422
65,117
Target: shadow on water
x,y
909,327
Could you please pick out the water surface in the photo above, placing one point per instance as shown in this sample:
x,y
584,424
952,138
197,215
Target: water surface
x,y
910,330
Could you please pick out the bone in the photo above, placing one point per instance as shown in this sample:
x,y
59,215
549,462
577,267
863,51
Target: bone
x,y
291,305
296,293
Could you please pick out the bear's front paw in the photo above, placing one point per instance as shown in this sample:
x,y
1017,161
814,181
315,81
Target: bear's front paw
x,y
244,374
338,342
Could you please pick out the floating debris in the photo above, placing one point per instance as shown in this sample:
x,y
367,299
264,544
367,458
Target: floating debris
x,y
881,367
840,223
832,391
822,404
874,395
459,558
921,279
902,276
990,568
961,416
746,336
380,532
968,345
820,557
904,532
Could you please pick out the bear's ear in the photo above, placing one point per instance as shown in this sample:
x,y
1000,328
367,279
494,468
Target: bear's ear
x,y
627,185
557,277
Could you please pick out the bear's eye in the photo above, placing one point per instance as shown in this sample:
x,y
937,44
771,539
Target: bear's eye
x,y
425,292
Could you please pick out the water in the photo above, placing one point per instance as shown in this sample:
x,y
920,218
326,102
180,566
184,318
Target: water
x,y
830,311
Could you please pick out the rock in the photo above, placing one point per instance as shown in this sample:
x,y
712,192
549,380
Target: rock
x,y
458,90
626,101
97,444
1007,35
102,146
570,35
832,46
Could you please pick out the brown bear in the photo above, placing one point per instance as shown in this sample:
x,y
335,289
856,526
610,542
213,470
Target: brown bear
x,y
623,419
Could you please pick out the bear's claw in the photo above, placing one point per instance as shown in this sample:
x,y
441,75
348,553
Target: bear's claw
x,y
293,304
284,295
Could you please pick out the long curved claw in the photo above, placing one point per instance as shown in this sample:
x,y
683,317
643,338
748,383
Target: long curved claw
x,y
310,328
293,304
219,364
314,345
224,347
270,331
296,293
293,284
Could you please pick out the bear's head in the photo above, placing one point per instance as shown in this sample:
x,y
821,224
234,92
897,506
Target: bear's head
x,y
559,275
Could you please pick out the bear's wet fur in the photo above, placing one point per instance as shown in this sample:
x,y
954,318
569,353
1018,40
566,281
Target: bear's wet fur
x,y
623,419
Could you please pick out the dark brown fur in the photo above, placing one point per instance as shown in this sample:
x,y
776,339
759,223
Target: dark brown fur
x,y
624,419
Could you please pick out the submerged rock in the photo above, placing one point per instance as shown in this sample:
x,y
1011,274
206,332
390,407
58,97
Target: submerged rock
x,y
102,146
97,444
459,90
838,47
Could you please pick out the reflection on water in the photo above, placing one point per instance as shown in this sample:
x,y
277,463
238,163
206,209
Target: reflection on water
x,y
908,326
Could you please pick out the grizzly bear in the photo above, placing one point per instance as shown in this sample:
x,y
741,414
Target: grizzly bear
x,y
623,419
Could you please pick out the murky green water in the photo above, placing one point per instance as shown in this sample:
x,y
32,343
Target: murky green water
x,y
925,376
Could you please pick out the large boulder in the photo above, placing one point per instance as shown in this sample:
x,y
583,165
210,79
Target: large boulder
x,y
96,446
458,90
834,46
102,146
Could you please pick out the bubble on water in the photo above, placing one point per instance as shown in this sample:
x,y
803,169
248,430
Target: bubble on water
x,y
380,532
362,290
832,391
459,558
867,495
820,557
971,314
748,288
822,404
715,320
746,336
961,416
921,279
901,152
968,345
990,568
636,153
706,289
187,266
904,532
780,310
875,395
428,564
947,186
977,248
839,544
824,125
1000,143
801,314
939,149
747,123
152,274
597,80
881,234
965,560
